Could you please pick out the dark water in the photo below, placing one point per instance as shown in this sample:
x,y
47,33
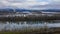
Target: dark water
x,y
27,25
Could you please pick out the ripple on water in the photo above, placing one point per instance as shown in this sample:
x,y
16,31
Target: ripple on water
x,y
24,25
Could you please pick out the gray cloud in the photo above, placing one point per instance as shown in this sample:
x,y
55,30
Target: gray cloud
x,y
30,4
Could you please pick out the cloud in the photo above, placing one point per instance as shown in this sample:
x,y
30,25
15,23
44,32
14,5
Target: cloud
x,y
35,4
22,3
56,0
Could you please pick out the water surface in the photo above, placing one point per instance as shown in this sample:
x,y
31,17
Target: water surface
x,y
27,25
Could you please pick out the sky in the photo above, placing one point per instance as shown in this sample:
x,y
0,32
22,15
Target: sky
x,y
30,4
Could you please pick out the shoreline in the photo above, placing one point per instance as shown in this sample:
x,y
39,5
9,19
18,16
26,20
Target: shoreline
x,y
30,18
33,16
34,31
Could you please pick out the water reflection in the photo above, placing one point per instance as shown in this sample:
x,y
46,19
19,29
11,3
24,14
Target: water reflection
x,y
26,25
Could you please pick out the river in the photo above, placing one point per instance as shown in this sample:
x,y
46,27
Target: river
x,y
21,25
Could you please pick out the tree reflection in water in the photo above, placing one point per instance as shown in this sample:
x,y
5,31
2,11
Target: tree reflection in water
x,y
26,25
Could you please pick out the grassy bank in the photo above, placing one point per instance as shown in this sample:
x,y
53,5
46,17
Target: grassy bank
x,y
34,31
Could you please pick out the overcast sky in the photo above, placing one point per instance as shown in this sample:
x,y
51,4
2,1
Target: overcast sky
x,y
31,4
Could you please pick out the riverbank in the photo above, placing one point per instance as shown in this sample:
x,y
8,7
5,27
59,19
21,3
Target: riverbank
x,y
30,18
34,31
